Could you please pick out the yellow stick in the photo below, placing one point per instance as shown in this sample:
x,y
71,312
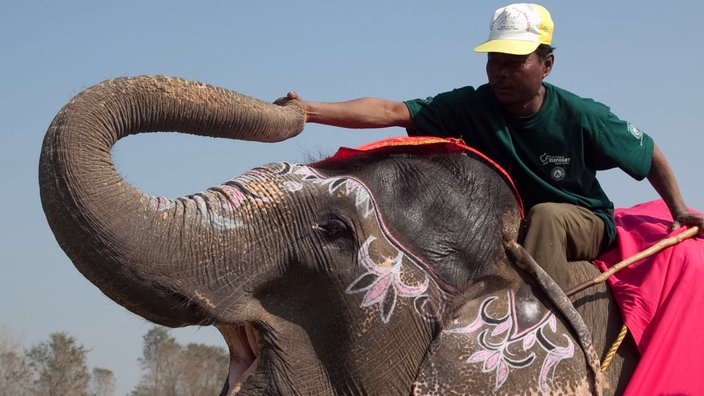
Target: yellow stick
x,y
667,242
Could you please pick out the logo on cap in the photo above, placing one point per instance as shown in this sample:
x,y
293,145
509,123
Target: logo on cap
x,y
518,29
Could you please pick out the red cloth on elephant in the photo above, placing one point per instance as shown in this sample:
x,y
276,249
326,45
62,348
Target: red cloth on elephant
x,y
662,301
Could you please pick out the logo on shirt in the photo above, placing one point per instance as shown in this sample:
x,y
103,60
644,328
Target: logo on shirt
x,y
546,159
557,173
637,133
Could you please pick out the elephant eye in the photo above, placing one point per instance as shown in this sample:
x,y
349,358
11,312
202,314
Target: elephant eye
x,y
332,228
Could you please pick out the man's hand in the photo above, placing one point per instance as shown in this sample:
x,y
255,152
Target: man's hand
x,y
689,219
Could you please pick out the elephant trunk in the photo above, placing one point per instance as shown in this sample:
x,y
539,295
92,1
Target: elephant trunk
x,y
127,243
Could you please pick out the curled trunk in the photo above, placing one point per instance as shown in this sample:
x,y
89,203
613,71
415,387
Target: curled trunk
x,y
119,238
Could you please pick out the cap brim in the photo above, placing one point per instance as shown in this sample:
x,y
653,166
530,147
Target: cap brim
x,y
513,47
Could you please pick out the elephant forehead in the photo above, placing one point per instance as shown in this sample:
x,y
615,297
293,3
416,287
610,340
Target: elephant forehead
x,y
282,181
274,186
283,178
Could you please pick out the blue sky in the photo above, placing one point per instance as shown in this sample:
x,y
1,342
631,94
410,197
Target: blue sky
x,y
644,61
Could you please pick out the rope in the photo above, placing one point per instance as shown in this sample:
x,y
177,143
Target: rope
x,y
612,352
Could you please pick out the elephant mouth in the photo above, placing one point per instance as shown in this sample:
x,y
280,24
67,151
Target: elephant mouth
x,y
243,343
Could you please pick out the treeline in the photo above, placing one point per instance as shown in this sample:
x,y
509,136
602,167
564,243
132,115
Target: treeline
x,y
57,367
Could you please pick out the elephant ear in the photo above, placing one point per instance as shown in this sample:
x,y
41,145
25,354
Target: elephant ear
x,y
524,261
521,335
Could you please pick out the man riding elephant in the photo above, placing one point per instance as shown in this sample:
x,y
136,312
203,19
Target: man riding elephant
x,y
319,281
551,141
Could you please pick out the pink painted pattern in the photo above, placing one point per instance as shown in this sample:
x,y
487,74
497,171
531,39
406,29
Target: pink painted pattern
x,y
498,338
382,283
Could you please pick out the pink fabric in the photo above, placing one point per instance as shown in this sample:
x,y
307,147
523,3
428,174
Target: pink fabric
x,y
662,301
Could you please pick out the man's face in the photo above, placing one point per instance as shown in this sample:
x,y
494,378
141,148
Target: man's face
x,y
517,79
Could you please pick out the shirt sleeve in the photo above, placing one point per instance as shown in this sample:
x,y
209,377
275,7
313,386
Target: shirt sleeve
x,y
428,118
621,144
443,115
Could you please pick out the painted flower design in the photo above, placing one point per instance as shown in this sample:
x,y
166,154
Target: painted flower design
x,y
506,346
347,186
382,283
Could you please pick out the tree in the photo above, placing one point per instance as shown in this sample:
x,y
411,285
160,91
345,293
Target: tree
x,y
103,382
205,369
160,362
172,370
60,366
15,372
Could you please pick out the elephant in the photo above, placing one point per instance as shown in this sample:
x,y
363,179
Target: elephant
x,y
384,272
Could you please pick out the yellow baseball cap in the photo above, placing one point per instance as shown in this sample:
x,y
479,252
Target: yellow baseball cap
x,y
518,29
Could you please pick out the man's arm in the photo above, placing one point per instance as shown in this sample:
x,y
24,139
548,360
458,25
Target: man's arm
x,y
663,181
358,113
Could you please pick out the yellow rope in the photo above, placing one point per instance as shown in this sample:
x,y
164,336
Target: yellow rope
x,y
612,352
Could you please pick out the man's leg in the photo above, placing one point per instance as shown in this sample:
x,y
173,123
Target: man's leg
x,y
557,233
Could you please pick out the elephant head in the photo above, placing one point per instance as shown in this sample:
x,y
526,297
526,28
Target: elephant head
x,y
379,273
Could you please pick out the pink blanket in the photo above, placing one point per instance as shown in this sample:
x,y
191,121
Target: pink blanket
x,y
662,301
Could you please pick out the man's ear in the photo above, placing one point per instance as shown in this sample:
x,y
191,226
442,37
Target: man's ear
x,y
547,64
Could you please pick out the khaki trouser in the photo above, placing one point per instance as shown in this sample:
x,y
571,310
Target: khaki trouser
x,y
557,233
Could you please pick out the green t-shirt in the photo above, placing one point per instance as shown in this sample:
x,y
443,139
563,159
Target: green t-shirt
x,y
553,155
